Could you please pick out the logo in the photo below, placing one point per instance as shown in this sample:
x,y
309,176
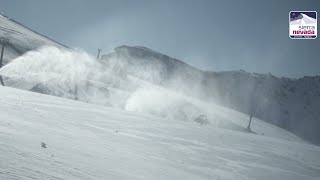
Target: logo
x,y
303,24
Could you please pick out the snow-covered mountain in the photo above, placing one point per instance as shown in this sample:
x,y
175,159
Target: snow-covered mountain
x,y
292,104
156,68
288,103
136,118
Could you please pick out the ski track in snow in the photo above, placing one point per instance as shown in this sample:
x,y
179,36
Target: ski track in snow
x,y
86,141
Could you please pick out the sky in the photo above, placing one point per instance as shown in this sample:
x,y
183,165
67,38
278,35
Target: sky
x,y
211,35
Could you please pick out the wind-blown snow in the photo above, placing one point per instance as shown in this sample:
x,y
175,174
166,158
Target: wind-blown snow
x,y
86,141
64,73
288,103
291,104
51,64
70,74
76,75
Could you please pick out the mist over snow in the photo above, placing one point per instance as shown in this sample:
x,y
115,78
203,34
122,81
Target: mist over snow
x,y
50,64
76,75
60,72
142,80
109,82
165,103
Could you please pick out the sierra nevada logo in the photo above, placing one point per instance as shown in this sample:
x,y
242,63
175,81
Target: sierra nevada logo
x,y
303,24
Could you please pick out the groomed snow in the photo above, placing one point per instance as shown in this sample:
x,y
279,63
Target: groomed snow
x,y
86,141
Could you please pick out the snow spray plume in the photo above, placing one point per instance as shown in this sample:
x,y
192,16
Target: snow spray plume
x,y
71,74
156,75
76,75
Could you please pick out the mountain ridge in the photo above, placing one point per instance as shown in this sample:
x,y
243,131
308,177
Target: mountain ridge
x,y
286,102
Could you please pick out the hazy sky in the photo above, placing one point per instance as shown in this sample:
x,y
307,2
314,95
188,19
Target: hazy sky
x,y
212,35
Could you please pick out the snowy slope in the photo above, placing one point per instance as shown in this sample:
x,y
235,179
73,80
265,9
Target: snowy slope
x,y
292,104
86,141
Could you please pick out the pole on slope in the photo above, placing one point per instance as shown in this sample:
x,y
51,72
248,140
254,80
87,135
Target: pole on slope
x,y
249,125
4,42
98,56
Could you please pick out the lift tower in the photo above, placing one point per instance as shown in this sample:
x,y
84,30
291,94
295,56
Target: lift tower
x,y
4,42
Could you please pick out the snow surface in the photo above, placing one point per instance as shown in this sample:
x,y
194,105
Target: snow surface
x,y
86,141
